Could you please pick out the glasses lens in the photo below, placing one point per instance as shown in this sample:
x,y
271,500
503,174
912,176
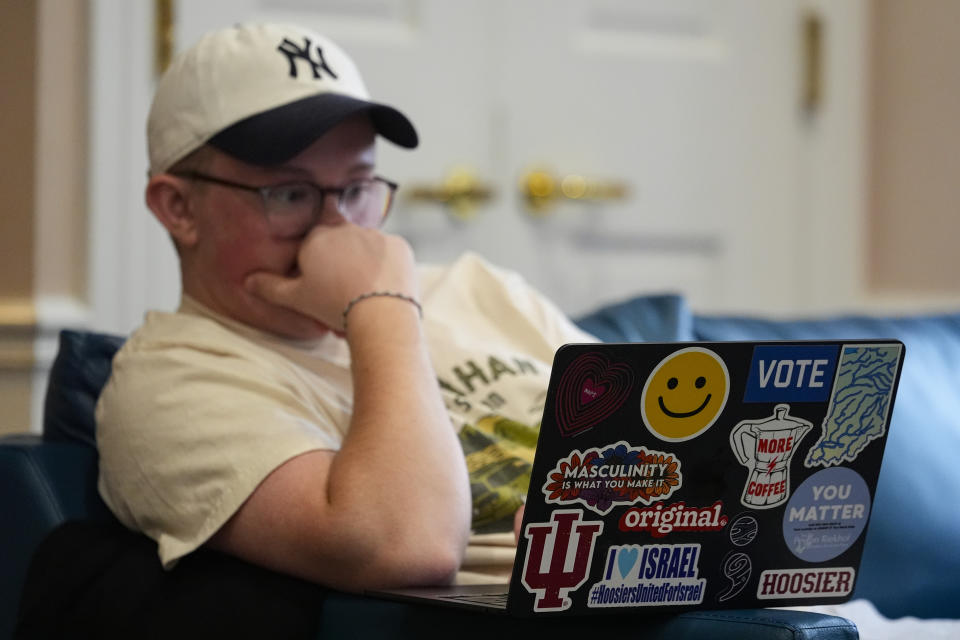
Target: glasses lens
x,y
365,203
291,208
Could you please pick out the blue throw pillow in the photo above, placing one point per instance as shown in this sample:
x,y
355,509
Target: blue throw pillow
x,y
82,367
652,318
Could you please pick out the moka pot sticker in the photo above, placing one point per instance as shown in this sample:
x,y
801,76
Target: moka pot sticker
x,y
766,447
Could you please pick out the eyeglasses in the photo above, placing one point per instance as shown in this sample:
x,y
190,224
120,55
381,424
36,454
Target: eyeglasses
x,y
293,208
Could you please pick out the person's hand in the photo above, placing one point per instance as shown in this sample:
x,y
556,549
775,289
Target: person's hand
x,y
336,264
517,523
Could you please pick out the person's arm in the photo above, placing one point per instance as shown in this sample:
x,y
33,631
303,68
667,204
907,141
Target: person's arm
x,y
392,507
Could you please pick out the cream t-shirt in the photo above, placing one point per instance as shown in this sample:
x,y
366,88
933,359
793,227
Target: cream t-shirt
x,y
200,409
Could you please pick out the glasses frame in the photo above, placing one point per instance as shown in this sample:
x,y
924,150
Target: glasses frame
x,y
264,190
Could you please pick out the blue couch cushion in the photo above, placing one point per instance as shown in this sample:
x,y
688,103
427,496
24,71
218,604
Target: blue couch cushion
x,y
655,318
82,367
911,559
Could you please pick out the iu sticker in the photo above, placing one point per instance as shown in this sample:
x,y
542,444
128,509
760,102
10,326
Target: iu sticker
x,y
558,559
601,478
766,447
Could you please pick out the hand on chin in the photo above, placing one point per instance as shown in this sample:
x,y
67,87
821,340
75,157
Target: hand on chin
x,y
287,322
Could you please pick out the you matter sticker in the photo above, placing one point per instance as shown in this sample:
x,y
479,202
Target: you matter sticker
x,y
826,514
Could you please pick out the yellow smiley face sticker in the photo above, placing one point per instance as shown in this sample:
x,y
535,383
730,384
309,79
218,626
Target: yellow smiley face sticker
x,y
685,394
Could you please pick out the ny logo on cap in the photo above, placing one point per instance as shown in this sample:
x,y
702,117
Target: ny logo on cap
x,y
293,52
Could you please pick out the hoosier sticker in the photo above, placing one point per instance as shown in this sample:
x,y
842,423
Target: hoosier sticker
x,y
619,474
805,583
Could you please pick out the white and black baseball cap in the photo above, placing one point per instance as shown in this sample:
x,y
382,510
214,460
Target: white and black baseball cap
x,y
261,93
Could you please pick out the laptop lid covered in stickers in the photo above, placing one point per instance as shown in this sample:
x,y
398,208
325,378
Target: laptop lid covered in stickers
x,y
671,477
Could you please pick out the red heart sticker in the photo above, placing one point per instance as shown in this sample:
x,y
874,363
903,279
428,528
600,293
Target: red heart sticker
x,y
590,390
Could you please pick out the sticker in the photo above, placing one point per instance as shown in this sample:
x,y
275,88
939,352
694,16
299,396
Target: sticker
x,y
649,575
744,530
737,568
791,373
591,389
766,447
660,520
805,583
618,474
826,514
685,394
554,542
860,403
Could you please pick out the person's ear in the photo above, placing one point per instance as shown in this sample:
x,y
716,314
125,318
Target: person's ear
x,y
167,197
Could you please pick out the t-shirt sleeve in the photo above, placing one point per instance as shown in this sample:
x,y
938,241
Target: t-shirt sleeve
x,y
186,435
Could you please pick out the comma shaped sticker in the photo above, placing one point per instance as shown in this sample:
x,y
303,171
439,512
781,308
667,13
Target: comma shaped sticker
x,y
737,568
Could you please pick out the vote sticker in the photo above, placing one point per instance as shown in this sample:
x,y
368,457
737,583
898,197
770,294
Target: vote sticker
x,y
826,514
791,373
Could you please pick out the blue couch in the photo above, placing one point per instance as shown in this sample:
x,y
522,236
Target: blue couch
x,y
910,560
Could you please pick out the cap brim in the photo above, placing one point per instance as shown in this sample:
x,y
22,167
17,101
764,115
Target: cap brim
x,y
277,135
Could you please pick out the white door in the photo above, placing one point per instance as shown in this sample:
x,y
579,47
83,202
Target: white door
x,y
689,107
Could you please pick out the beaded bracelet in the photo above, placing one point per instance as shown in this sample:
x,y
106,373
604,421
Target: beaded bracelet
x,y
375,294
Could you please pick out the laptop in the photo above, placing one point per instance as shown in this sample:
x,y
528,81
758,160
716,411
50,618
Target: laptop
x,y
678,476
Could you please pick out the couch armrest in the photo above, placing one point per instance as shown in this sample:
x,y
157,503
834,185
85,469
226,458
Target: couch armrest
x,y
349,616
42,484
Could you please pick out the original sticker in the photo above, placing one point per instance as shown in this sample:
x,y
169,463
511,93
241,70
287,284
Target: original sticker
x,y
591,389
826,514
660,520
805,583
766,447
858,408
649,575
616,475
549,571
685,394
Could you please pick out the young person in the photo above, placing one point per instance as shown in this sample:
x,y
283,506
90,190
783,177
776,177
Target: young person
x,y
318,405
